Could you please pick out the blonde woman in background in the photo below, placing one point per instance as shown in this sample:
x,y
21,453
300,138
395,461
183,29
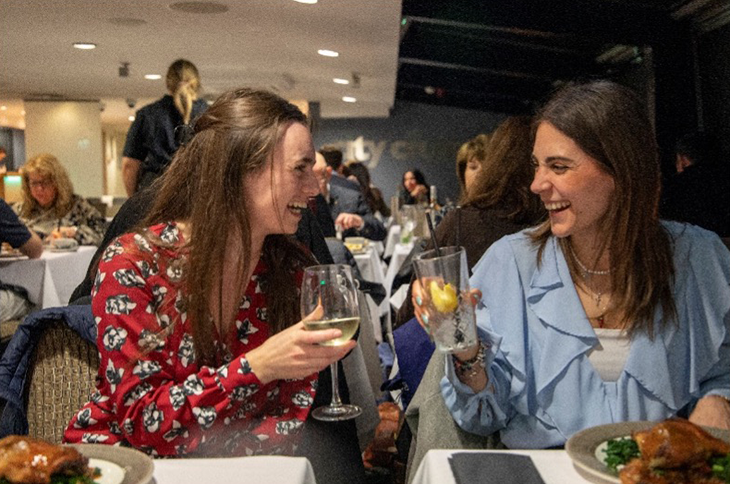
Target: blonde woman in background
x,y
155,134
469,161
50,207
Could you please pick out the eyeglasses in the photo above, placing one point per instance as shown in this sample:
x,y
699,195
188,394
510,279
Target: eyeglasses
x,y
40,184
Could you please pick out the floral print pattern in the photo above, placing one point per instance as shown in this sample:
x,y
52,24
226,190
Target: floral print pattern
x,y
152,394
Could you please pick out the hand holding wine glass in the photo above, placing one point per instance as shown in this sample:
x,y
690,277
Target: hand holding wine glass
x,y
329,291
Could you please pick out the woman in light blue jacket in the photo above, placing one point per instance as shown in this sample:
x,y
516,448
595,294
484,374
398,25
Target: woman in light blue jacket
x,y
604,313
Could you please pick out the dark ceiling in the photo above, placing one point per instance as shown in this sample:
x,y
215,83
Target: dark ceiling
x,y
508,55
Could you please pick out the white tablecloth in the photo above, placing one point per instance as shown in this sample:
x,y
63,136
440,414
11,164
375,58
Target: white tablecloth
x,y
554,466
392,239
235,470
371,269
50,280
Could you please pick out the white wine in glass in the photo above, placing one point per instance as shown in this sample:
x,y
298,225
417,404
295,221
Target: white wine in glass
x,y
332,287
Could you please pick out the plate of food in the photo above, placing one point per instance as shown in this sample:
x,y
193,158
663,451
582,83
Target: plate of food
x,y
674,450
26,459
63,245
117,465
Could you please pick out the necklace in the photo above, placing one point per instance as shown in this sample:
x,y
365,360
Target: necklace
x,y
595,294
584,268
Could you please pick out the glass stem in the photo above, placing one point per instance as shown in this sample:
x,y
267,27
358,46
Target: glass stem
x,y
336,402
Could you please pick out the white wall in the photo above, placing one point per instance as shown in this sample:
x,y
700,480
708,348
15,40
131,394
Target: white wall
x,y
71,131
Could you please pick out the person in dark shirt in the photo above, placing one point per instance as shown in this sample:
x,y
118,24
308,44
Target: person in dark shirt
x,y
159,128
13,304
699,192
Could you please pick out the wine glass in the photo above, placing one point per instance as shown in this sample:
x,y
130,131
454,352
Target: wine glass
x,y
332,287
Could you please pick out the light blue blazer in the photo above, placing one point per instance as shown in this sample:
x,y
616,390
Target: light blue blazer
x,y
542,388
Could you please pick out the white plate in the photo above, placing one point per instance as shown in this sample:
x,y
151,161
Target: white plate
x,y
584,448
119,465
69,249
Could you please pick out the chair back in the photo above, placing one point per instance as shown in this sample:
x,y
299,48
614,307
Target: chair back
x,y
61,377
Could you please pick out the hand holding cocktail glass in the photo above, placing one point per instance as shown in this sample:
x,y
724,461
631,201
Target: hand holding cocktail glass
x,y
443,302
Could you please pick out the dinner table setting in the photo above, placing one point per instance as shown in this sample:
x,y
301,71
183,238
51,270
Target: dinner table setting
x,y
51,279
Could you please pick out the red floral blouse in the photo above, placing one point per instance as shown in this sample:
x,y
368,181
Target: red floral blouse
x,y
151,394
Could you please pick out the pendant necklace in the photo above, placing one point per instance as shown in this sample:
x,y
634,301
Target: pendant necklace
x,y
596,295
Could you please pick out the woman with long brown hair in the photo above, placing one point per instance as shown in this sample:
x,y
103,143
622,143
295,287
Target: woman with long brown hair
x,y
603,313
200,349
158,128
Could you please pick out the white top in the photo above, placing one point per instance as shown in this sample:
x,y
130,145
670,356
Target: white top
x,y
611,353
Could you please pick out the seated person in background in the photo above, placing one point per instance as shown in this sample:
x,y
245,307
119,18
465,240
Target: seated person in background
x,y
498,200
699,193
347,204
200,349
373,195
414,188
604,313
13,304
469,161
50,207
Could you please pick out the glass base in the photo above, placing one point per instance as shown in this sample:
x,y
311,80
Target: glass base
x,y
336,413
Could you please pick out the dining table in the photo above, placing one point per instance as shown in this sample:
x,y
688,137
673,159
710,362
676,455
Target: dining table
x,y
234,470
51,279
554,466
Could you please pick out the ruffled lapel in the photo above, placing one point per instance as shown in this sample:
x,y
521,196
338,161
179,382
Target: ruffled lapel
x,y
552,297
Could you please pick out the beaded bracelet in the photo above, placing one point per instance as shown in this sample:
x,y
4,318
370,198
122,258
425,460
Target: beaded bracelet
x,y
471,367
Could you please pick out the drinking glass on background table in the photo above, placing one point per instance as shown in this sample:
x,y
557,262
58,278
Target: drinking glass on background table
x,y
332,287
408,222
444,283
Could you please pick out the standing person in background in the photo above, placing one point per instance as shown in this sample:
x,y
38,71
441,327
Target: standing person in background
x,y
153,138
50,207
469,161
414,188
373,195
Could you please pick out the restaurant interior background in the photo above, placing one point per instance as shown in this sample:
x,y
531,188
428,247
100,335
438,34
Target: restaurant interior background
x,y
413,79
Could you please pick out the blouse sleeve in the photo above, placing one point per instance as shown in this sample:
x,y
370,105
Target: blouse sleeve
x,y
89,223
158,404
488,411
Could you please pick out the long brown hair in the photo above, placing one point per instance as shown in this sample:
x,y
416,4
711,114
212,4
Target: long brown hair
x,y
48,166
204,186
611,125
504,180
183,82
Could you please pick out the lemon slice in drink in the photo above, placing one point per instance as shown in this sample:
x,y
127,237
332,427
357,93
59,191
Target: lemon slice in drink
x,y
444,300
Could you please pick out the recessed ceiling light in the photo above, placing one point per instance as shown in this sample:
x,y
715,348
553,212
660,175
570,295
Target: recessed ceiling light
x,y
328,53
3,108
152,77
131,118
338,80
308,2
84,45
349,99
